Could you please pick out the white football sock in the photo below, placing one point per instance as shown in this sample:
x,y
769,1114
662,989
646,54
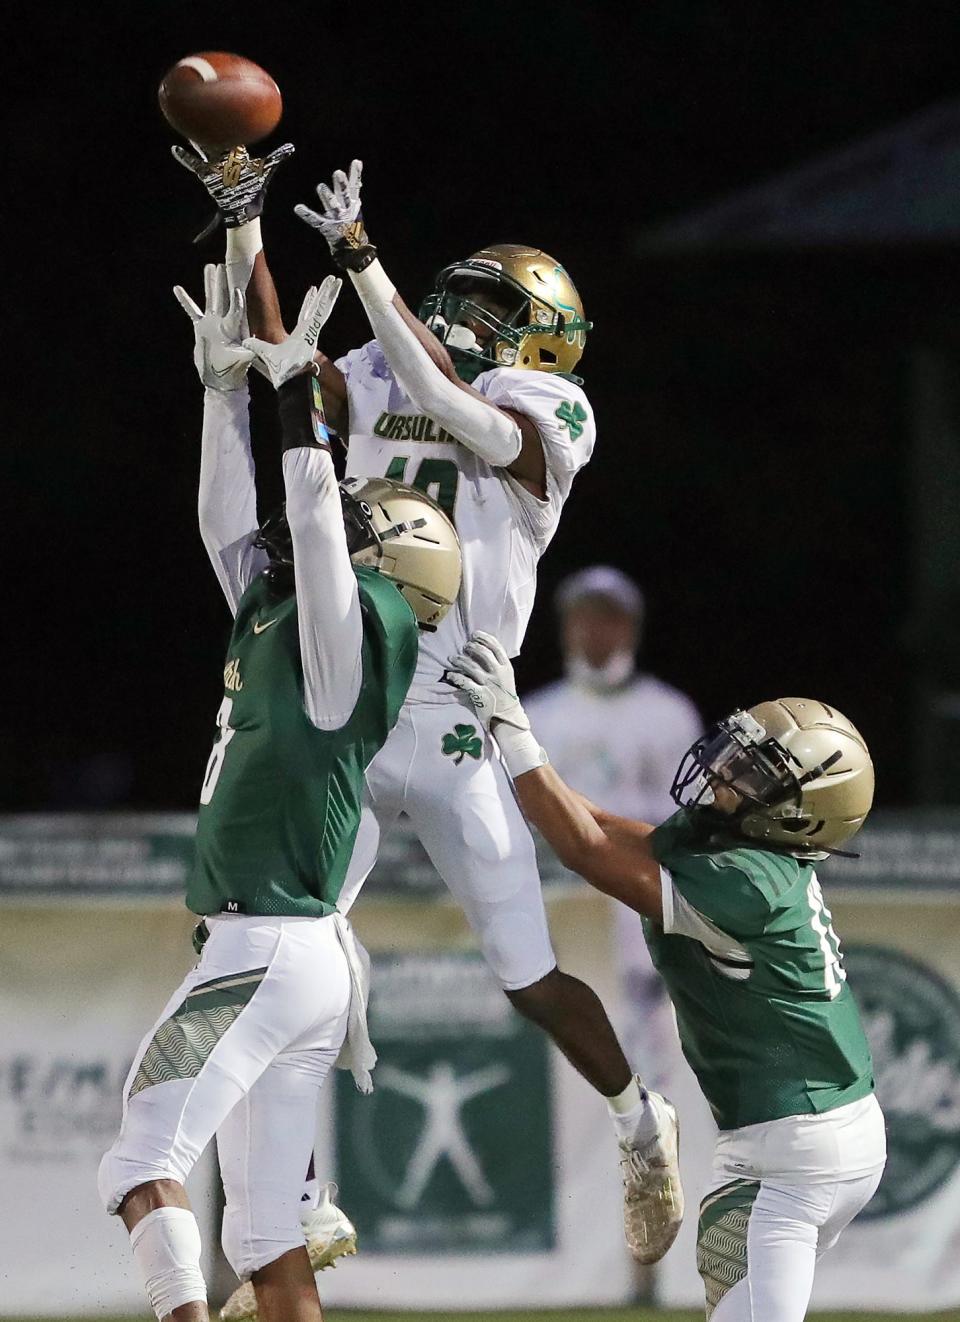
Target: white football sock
x,y
633,1116
166,1248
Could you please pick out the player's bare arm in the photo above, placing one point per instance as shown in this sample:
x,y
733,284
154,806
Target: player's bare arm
x,y
611,853
503,437
614,857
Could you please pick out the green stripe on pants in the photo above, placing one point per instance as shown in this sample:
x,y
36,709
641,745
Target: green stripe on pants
x,y
722,1238
182,1044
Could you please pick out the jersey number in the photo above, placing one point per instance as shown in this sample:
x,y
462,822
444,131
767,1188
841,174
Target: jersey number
x,y
821,920
218,752
441,474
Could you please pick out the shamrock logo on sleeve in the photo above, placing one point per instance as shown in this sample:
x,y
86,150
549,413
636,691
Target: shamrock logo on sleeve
x,y
572,416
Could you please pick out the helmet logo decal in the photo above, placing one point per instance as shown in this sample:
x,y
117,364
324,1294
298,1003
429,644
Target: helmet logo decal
x,y
572,416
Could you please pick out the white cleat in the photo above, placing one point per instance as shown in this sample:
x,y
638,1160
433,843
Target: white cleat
x,y
329,1234
652,1193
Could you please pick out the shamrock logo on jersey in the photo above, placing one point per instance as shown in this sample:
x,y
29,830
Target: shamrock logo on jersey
x,y
572,416
464,740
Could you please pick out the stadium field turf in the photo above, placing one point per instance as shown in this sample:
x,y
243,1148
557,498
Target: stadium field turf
x,y
568,1315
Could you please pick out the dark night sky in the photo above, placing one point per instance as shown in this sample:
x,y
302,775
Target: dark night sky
x,y
751,463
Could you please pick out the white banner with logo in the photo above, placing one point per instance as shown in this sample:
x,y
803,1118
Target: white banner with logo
x,y
482,1173
78,989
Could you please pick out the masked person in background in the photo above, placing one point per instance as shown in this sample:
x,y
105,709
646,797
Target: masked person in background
x,y
616,733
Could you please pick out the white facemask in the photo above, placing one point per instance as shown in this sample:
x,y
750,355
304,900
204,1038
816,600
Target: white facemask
x,y
614,672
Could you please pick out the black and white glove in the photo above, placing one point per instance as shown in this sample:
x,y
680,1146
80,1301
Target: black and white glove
x,y
288,359
341,220
236,181
483,673
219,357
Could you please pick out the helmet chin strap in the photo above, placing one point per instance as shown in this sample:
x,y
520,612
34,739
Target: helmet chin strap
x,y
613,674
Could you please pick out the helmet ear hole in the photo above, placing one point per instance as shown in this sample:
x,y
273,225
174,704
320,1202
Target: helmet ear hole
x,y
548,356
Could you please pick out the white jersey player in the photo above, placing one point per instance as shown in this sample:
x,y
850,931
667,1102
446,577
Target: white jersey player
x,y
479,408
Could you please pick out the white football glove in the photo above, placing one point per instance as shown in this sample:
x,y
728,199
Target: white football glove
x,y
341,221
220,359
483,673
288,358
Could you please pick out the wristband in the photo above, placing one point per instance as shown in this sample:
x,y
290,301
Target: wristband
x,y
519,749
302,420
352,258
244,241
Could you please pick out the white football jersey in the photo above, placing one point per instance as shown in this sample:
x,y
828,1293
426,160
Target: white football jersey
x,y
621,749
503,529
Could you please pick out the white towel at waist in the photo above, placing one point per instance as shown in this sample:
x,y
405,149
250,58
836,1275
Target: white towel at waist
x,y
357,1054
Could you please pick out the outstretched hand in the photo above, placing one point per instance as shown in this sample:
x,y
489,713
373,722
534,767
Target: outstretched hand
x,y
219,357
236,181
289,358
340,220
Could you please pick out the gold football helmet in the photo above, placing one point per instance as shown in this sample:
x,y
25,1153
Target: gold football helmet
x,y
507,306
404,535
801,769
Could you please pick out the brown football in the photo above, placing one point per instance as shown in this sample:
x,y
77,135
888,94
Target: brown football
x,y
219,100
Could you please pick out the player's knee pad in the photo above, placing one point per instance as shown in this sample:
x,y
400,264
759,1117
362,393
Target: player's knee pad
x,y
257,1233
118,1173
166,1248
517,948
108,1182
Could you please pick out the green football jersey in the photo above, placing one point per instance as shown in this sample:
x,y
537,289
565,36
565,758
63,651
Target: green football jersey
x,y
280,803
766,1019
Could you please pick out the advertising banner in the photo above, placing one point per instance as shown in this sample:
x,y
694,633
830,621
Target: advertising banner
x,y
78,990
482,1172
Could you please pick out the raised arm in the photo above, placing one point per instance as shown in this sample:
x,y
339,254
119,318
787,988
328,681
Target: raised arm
x,y
227,501
237,184
328,601
503,437
612,853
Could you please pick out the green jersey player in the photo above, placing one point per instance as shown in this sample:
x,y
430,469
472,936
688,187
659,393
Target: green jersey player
x,y
326,599
739,930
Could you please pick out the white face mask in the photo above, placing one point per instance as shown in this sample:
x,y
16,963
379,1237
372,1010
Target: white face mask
x,y
614,672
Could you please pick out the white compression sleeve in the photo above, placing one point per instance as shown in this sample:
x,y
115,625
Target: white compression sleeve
x,y
481,427
243,244
227,503
328,602
166,1248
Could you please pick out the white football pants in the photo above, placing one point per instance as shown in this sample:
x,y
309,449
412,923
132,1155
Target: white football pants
x,y
241,1051
462,805
761,1231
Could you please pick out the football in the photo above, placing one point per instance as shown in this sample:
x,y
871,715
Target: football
x,y
219,101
